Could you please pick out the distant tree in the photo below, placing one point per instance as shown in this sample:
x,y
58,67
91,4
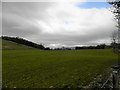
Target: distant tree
x,y
101,46
47,48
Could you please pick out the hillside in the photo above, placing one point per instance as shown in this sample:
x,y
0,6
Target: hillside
x,y
9,45
23,42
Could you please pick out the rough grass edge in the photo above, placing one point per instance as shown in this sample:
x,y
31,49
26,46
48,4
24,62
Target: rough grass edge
x,y
101,81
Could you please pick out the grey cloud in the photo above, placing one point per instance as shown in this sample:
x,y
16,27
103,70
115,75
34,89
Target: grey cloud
x,y
20,19
13,29
72,40
26,9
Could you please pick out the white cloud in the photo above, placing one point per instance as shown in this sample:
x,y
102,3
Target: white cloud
x,y
44,0
71,19
59,23
54,0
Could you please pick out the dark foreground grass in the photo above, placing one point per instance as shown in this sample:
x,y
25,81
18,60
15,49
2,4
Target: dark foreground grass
x,y
44,69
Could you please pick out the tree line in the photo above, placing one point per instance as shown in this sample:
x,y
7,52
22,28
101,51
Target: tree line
x,y
40,46
101,46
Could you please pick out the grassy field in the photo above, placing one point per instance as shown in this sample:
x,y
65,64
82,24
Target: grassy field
x,y
0,69
44,69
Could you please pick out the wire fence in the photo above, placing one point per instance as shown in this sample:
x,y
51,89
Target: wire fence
x,y
113,81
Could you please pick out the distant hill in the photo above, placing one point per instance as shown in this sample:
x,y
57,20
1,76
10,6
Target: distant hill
x,y
18,43
9,45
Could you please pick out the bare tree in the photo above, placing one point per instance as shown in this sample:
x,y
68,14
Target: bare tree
x,y
116,69
116,10
114,38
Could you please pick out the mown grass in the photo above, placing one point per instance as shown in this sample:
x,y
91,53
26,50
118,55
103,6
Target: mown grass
x,y
44,69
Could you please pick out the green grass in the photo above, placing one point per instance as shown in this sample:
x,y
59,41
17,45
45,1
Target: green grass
x,y
0,69
44,69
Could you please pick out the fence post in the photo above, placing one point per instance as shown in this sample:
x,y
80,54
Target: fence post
x,y
115,78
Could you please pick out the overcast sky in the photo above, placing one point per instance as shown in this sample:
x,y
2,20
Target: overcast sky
x,y
57,24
